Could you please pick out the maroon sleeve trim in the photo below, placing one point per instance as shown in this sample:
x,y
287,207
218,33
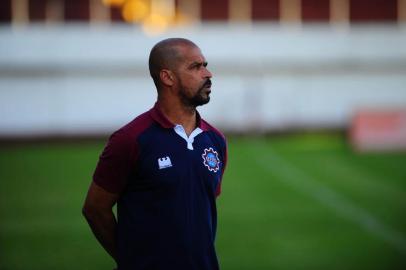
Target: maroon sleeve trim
x,y
114,164
207,127
218,190
120,155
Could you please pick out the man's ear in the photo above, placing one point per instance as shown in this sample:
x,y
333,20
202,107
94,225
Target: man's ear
x,y
167,77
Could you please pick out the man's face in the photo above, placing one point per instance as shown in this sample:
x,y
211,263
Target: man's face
x,y
193,77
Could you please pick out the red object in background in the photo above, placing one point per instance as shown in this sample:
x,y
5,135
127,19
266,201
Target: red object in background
x,y
315,11
77,10
214,10
374,130
37,10
263,10
115,15
5,11
362,11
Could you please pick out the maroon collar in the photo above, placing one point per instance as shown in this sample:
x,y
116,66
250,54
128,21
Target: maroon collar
x,y
161,119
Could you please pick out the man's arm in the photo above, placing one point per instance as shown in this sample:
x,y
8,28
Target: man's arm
x,y
98,210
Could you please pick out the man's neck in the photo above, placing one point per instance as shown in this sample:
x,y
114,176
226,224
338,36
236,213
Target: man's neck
x,y
179,114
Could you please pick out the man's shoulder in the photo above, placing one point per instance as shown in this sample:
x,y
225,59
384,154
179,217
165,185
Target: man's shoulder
x,y
135,127
208,127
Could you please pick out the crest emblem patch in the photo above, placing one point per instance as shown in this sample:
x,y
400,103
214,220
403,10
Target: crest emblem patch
x,y
211,159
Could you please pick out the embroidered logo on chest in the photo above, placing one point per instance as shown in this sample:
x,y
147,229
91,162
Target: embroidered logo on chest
x,y
164,162
211,159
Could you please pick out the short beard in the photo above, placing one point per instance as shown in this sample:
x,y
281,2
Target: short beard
x,y
197,100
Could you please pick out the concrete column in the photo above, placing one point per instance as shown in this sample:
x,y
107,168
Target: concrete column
x,y
290,11
402,11
190,9
339,11
240,10
54,11
19,12
99,13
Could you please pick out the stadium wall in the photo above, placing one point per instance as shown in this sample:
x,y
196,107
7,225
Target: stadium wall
x,y
79,79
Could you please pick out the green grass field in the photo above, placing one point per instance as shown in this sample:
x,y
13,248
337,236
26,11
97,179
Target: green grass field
x,y
288,202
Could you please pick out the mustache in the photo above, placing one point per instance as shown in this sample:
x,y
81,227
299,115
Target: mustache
x,y
207,83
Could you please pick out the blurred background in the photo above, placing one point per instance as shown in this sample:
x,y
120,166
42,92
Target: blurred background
x,y
311,95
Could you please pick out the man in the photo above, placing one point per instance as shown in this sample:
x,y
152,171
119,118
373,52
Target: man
x,y
164,171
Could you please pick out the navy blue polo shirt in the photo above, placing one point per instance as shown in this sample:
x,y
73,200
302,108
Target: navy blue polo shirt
x,y
168,183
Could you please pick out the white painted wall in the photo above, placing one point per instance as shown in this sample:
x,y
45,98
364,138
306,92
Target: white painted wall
x,y
81,79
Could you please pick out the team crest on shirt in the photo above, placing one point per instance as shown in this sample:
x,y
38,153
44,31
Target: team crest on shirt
x,y
211,159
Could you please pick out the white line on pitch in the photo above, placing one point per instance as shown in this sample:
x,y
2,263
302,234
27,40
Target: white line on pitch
x,y
304,183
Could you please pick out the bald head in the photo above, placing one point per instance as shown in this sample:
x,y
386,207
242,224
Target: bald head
x,y
166,54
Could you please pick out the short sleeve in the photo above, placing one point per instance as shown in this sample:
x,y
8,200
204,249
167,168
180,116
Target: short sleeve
x,y
115,162
225,156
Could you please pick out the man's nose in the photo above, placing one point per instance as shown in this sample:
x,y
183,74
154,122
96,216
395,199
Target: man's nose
x,y
207,73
